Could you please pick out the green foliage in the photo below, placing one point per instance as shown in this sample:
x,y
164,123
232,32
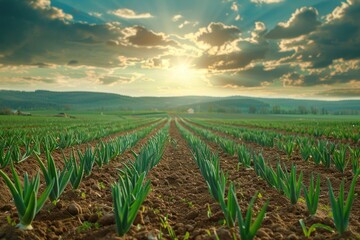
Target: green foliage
x,y
339,158
127,199
247,227
312,228
5,156
312,194
355,158
78,170
25,197
340,207
288,147
85,226
52,174
290,184
244,156
88,159
305,151
229,206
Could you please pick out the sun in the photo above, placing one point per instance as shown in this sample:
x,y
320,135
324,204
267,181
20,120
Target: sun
x,y
183,72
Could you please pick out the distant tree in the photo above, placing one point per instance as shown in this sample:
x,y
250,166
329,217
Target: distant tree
x,y
5,111
324,111
276,109
252,109
302,110
314,110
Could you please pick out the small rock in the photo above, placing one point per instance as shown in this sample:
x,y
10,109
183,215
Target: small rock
x,y
192,215
151,236
74,209
107,219
59,205
223,234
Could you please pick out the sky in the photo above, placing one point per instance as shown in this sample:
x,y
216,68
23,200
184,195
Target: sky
x,y
267,48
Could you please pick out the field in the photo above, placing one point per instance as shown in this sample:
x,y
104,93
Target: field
x,y
160,176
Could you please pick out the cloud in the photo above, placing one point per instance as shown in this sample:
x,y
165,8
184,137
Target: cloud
x,y
343,92
33,32
235,8
243,51
129,14
303,21
338,73
176,18
337,38
188,23
234,60
140,36
217,34
266,1
252,76
95,14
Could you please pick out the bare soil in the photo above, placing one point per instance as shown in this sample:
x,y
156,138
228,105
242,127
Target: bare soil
x,y
178,193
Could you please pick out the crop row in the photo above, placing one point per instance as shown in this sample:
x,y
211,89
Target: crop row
x,y
11,151
131,189
25,194
322,152
349,130
217,181
287,182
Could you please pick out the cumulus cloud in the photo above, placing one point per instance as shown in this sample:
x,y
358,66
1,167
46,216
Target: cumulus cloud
x,y
234,60
252,76
129,14
140,36
217,34
303,21
33,33
337,38
176,18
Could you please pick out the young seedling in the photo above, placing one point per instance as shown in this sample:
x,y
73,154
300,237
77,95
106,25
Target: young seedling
x,y
25,197
341,208
51,173
312,228
78,171
312,194
292,185
127,199
339,157
5,156
247,227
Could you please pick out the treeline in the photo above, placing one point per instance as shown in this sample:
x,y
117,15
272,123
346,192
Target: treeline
x,y
299,110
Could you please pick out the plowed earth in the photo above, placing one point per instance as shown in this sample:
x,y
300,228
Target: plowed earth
x,y
179,194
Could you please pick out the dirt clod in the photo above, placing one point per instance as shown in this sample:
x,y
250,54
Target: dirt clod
x,y
74,209
107,219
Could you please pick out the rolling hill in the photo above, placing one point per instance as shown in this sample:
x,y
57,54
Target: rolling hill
x,y
42,99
